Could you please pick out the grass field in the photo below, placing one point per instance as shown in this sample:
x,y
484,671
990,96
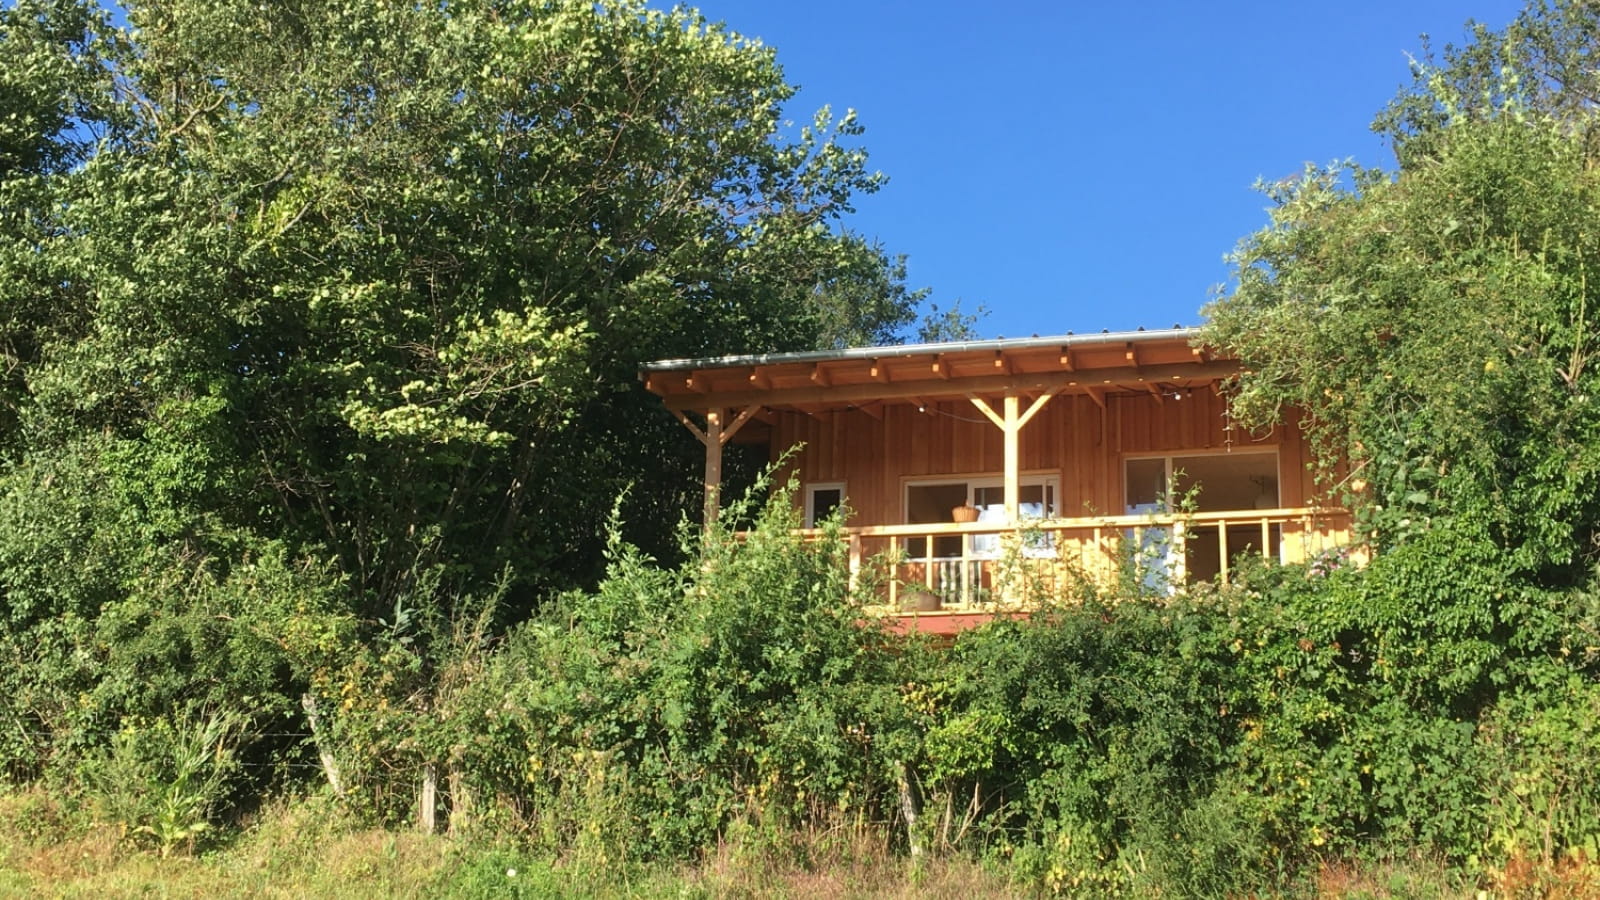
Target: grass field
x,y
305,849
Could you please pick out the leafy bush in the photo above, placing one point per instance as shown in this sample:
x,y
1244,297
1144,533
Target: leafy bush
x,y
652,714
164,780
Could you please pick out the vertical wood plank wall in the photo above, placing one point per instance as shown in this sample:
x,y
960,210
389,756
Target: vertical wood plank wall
x,y
1072,437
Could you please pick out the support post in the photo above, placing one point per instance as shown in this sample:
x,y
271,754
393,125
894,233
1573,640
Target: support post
x,y
1222,549
1010,421
460,801
1013,487
855,562
714,436
713,441
319,737
428,801
1179,556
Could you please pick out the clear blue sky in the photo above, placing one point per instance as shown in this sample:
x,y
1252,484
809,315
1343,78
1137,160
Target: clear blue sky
x,y
1084,165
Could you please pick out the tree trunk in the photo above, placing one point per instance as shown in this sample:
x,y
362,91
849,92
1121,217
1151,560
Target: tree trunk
x,y
330,766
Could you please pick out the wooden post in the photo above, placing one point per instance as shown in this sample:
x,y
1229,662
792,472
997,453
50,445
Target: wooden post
x,y
714,436
428,801
713,441
1222,548
1013,488
1010,422
319,737
966,571
855,562
456,784
1180,554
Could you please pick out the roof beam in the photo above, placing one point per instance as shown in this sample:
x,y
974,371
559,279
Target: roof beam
x,y
698,432
925,388
738,423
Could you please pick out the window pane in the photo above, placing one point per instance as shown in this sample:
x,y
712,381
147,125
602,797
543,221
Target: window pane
x,y
1146,484
929,503
1227,481
823,503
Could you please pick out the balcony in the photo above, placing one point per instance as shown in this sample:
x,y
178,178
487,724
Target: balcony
x,y
965,569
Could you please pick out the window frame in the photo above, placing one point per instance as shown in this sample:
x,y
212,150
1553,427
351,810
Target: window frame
x,y
1048,479
1168,456
811,489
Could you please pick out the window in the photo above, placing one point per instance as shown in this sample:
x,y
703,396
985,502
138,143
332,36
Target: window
x,y
822,499
1213,482
931,502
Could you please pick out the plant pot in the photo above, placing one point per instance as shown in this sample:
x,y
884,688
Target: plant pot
x,y
920,601
964,514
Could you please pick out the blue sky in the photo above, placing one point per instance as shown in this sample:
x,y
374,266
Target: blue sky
x,y
1076,166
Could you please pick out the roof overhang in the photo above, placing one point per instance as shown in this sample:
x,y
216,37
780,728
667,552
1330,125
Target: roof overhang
x,y
918,373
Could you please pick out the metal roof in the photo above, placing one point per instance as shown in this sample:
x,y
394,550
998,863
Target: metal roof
x,y
895,350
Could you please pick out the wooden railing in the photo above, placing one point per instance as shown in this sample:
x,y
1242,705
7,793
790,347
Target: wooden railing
x,y
985,566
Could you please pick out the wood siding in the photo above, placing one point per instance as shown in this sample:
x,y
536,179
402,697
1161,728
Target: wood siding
x,y
874,454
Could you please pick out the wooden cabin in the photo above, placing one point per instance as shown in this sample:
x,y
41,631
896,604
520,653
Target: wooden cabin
x,y
977,475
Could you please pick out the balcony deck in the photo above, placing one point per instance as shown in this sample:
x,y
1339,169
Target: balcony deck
x,y
945,576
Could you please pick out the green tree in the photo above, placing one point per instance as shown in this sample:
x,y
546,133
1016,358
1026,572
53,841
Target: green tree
x,y
408,259
1542,63
1433,330
355,293
1436,328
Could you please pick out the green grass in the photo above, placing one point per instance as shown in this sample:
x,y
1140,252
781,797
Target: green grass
x,y
306,849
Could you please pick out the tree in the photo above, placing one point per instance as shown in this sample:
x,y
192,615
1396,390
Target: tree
x,y
403,263
1541,63
1437,324
319,317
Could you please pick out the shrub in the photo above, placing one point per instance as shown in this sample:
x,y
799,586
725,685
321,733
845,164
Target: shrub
x,y
650,715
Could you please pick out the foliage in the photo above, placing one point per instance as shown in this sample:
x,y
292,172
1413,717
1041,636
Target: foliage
x,y
670,704
1438,326
319,326
1540,64
164,780
1095,736
397,266
1433,327
951,324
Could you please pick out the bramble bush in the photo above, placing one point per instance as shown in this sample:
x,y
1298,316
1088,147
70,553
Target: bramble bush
x,y
648,717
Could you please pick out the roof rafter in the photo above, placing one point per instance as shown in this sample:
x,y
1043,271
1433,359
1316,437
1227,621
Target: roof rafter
x,y
928,388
